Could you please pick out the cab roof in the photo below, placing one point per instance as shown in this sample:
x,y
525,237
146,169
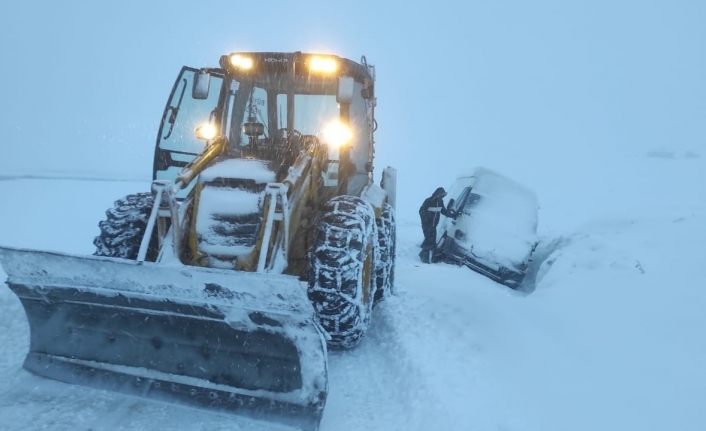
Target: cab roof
x,y
298,63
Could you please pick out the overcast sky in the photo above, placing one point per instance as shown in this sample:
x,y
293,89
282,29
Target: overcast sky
x,y
533,89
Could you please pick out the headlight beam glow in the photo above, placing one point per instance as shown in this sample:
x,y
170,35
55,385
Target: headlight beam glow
x,y
336,134
326,65
206,131
241,62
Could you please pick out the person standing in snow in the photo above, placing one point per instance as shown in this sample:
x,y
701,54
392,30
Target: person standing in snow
x,y
430,212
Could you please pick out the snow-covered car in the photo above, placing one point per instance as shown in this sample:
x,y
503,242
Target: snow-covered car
x,y
495,231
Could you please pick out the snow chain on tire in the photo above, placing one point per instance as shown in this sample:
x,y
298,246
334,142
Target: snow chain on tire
x,y
387,242
124,226
341,269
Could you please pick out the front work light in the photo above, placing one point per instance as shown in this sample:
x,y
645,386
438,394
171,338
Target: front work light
x,y
241,62
325,65
336,134
206,131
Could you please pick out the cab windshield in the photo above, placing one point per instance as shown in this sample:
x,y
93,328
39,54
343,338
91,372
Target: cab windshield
x,y
273,116
269,116
262,111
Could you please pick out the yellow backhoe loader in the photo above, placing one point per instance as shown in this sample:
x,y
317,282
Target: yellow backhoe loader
x,y
263,239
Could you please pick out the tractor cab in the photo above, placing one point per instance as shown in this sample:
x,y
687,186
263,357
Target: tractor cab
x,y
272,106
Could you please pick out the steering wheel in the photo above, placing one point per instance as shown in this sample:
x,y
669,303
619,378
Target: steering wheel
x,y
284,134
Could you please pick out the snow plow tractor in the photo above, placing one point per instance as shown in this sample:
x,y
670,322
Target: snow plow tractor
x,y
495,231
263,239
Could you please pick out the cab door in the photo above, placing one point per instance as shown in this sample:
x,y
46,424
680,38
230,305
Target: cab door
x,y
177,144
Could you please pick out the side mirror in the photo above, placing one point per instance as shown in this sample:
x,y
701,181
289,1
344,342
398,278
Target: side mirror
x,y
344,94
202,83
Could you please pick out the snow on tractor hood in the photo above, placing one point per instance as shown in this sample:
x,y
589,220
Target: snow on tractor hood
x,y
256,170
497,222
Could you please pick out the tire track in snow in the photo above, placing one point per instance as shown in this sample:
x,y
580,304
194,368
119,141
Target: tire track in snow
x,y
440,321
377,386
442,346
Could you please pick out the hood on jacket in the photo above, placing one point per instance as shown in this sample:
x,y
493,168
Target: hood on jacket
x,y
439,193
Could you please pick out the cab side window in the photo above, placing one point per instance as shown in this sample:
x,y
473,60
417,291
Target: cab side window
x,y
177,144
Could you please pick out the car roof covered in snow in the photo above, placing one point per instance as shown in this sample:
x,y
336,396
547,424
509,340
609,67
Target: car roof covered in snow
x,y
501,225
487,183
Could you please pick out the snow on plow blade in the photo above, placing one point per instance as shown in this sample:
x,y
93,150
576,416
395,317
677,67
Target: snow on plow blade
x,y
240,342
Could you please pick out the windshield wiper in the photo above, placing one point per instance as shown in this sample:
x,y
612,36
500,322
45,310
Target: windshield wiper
x,y
174,110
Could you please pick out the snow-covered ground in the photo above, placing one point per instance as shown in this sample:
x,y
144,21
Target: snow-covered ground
x,y
608,334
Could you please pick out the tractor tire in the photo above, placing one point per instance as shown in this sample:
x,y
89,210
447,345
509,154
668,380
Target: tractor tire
x,y
341,270
387,243
124,226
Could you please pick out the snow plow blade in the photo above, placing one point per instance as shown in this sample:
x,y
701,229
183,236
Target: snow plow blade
x,y
240,342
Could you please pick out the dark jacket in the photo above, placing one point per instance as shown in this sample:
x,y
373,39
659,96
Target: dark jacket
x,y
433,207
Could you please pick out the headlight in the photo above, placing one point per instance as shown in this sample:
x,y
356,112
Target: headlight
x,y
206,131
336,134
241,62
325,65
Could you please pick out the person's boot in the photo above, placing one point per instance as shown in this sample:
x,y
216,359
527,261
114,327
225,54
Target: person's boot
x,y
436,255
425,256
